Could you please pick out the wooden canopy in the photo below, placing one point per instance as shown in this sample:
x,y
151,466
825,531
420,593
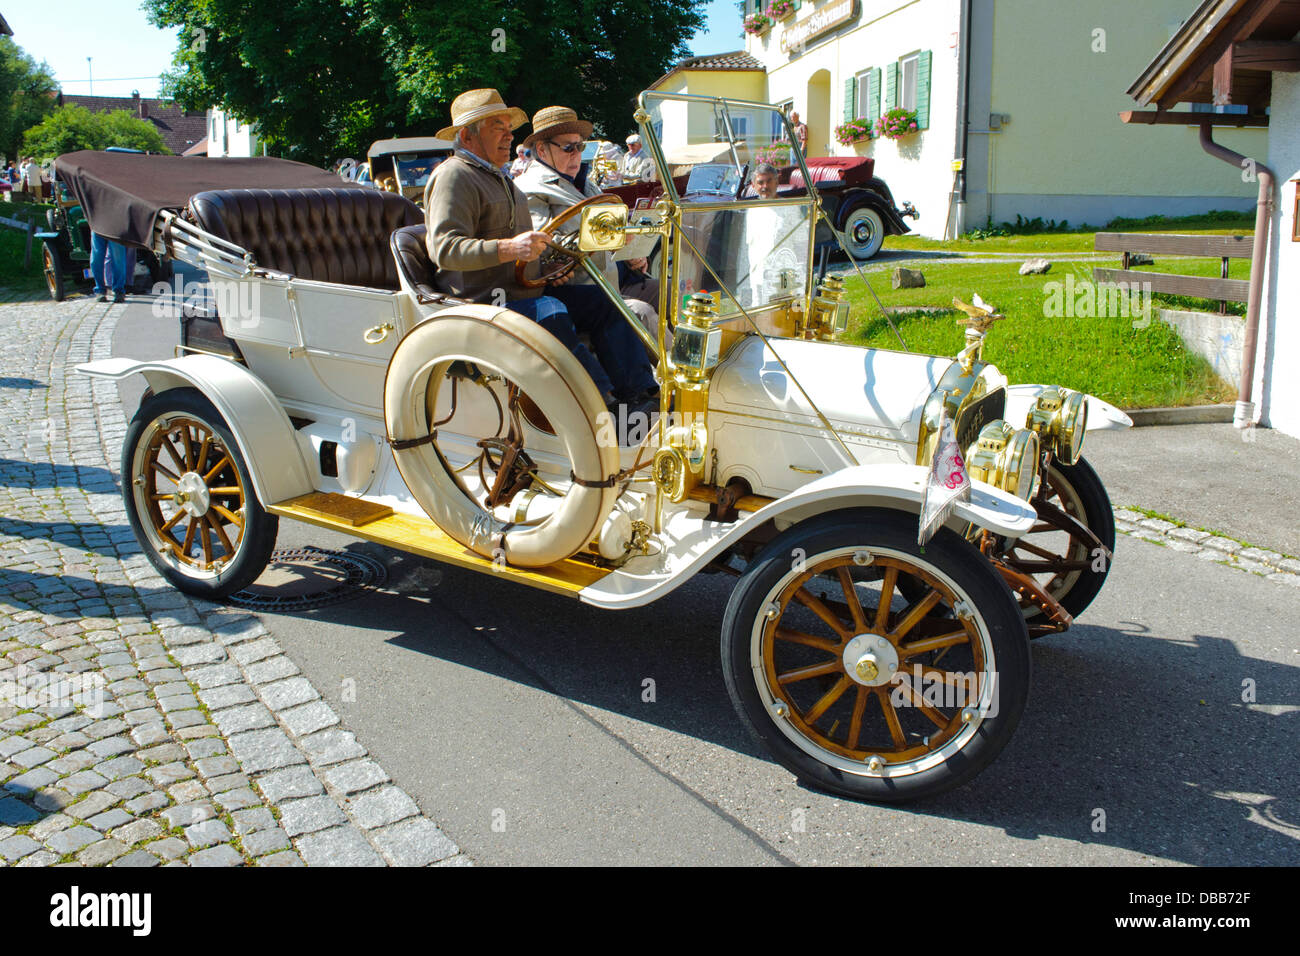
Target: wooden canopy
x,y
1224,54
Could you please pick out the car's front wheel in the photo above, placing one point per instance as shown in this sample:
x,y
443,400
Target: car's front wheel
x,y
856,687
189,496
864,232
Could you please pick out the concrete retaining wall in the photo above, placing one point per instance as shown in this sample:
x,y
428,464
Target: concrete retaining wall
x,y
1217,337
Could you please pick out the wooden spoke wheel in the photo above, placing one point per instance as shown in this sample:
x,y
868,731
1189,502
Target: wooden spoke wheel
x,y
1064,561
190,498
52,261
860,689
559,259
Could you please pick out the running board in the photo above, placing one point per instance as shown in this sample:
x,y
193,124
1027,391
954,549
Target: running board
x,y
417,535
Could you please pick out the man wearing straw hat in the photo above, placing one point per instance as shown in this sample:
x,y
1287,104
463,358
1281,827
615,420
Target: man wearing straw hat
x,y
478,225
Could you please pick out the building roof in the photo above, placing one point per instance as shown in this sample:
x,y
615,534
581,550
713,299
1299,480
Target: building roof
x,y
736,60
5,29
1242,40
179,129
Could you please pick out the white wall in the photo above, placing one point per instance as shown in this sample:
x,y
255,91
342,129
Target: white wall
x,y
918,168
229,137
1277,387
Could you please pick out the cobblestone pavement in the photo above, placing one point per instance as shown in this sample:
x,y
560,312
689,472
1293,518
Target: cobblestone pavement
x,y
139,726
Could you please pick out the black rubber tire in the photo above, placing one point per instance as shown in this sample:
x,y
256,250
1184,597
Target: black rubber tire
x,y
55,270
252,550
1100,519
1007,650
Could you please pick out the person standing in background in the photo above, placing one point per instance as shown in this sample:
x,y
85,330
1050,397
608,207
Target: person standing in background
x,y
101,249
800,132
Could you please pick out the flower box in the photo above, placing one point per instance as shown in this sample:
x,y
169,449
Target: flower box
x,y
854,131
897,123
758,23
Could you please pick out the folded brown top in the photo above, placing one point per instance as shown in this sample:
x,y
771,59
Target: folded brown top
x,y
123,193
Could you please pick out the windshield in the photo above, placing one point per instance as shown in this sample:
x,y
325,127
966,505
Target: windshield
x,y
415,170
694,132
753,255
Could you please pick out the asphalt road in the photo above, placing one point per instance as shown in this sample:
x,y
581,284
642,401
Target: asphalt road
x,y
517,720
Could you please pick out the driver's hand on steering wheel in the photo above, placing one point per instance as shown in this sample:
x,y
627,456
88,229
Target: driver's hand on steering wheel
x,y
524,247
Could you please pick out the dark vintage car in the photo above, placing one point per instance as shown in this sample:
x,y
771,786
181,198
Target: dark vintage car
x,y
857,201
65,247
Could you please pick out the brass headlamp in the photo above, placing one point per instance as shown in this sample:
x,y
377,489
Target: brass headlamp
x,y
829,317
697,342
1059,417
1005,457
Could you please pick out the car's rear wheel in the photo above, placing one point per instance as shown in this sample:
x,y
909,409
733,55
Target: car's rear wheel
x,y
189,496
864,232
55,269
857,688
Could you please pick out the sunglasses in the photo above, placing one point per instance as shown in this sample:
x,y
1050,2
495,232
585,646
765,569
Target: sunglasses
x,y
571,148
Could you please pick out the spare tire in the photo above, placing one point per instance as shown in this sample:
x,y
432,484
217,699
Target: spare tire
x,y
499,340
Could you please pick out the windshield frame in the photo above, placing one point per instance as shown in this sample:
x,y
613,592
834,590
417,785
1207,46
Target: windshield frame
x,y
720,103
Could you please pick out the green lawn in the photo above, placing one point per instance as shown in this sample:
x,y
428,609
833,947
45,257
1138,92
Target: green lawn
x,y
12,244
1132,367
1082,238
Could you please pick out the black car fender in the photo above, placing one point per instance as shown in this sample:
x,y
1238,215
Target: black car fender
x,y
851,199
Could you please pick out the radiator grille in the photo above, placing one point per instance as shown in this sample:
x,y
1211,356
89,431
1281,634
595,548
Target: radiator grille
x,y
978,414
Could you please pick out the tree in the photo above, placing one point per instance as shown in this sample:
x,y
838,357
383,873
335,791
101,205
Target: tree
x,y
27,91
324,78
70,128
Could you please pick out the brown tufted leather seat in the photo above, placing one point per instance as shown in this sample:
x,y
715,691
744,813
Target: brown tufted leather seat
x,y
332,235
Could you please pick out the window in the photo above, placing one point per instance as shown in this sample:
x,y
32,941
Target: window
x,y
777,131
907,86
908,68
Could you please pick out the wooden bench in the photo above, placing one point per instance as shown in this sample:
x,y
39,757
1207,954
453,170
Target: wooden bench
x,y
1223,289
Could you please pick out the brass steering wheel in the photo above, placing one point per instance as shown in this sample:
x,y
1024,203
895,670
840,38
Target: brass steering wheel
x,y
556,260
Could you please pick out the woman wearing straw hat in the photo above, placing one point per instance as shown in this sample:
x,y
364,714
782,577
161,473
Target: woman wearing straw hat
x,y
557,179
478,225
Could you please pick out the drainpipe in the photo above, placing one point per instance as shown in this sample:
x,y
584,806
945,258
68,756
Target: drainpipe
x,y
963,108
1244,414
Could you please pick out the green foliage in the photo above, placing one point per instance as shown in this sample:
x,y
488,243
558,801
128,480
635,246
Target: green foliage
x,y
325,78
1222,218
72,127
26,95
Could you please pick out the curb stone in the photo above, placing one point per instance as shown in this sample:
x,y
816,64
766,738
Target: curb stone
x,y
138,726
1210,546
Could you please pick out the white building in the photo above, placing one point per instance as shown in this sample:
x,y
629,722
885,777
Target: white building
x,y
227,136
1246,53
1023,93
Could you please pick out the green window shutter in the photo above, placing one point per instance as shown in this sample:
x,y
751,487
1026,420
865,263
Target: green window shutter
x,y
923,91
798,4
891,86
850,88
873,94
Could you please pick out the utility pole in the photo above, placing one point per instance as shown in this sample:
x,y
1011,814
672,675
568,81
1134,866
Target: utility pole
x,y
90,75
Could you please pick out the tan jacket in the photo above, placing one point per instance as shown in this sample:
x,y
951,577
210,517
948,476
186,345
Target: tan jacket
x,y
549,194
467,208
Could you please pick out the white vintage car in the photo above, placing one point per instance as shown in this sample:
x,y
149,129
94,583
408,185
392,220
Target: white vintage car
x,y
338,387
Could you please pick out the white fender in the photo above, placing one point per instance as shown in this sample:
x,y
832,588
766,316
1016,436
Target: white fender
x,y
528,355
253,414
1102,416
688,542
